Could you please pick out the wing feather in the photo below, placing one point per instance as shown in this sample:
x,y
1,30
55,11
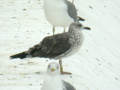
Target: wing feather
x,y
51,46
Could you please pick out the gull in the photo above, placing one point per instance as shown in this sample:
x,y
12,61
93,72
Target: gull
x,y
57,46
53,81
60,13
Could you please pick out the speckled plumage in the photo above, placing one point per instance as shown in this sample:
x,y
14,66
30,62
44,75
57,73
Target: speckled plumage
x,y
57,46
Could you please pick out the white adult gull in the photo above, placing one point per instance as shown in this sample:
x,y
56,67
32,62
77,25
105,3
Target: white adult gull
x,y
53,81
60,13
57,46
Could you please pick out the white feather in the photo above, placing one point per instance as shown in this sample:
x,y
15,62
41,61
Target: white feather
x,y
56,13
52,82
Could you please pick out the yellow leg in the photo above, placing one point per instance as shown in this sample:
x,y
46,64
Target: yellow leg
x,y
61,68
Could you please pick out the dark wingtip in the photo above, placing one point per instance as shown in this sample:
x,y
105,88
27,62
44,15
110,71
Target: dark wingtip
x,y
19,55
12,57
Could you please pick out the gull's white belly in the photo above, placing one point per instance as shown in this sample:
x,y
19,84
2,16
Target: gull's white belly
x,y
56,13
52,83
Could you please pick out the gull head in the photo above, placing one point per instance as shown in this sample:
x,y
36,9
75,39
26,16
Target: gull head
x,y
53,68
78,26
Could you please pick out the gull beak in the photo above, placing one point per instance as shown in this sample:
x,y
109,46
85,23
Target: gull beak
x,y
87,28
52,69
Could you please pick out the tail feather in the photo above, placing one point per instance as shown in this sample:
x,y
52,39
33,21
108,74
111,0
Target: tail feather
x,y
19,55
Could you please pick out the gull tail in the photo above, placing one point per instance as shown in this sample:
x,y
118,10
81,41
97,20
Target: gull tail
x,y
19,55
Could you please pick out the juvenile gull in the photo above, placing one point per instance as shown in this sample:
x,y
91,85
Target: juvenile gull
x,y
57,46
60,13
53,81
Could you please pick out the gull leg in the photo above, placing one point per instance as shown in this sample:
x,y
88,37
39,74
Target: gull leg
x,y
64,29
53,30
61,68
73,1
